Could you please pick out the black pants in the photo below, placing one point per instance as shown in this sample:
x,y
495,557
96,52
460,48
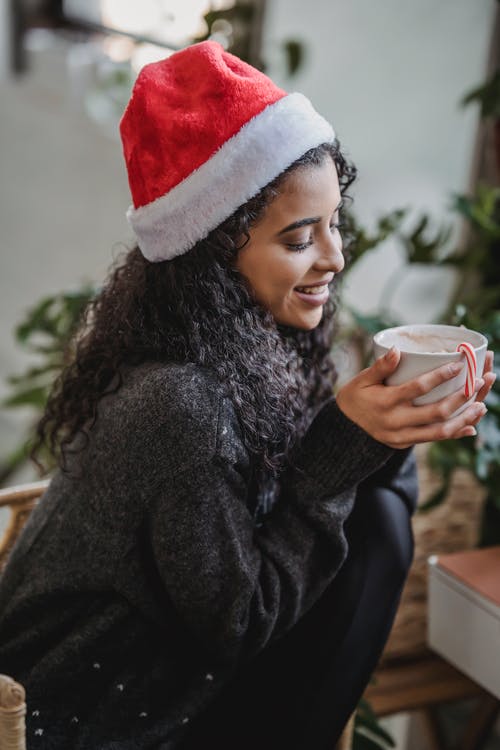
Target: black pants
x,y
299,692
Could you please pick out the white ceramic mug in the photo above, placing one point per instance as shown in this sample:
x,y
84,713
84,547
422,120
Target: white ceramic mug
x,y
427,346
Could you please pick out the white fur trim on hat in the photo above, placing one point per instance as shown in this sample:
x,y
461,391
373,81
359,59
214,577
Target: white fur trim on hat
x,y
263,148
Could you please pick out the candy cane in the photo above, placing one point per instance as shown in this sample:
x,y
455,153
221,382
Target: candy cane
x,y
470,358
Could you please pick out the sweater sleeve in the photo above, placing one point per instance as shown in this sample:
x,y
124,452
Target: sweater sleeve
x,y
236,586
399,476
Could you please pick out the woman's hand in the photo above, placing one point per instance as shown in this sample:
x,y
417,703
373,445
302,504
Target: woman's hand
x,y
388,414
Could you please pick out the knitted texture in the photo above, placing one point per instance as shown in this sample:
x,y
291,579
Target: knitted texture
x,y
141,581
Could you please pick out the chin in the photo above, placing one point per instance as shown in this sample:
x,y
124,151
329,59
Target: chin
x,y
303,320
309,327
302,324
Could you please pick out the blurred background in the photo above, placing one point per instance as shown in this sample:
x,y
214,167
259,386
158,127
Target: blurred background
x,y
392,76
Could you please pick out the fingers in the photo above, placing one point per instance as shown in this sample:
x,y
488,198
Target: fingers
x,y
443,409
488,362
424,383
489,377
460,426
454,428
381,368
388,413
488,380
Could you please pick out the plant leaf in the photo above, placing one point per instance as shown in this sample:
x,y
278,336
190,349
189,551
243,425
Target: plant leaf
x,y
31,397
487,95
367,724
421,246
437,497
294,51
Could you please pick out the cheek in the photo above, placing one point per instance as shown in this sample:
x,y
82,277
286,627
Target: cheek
x,y
273,274
294,271
282,279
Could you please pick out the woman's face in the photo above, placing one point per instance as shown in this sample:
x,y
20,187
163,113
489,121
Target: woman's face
x,y
295,250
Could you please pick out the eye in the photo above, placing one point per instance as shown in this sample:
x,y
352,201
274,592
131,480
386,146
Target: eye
x,y
299,247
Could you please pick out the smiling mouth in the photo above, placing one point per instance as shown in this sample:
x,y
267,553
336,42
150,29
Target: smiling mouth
x,y
312,289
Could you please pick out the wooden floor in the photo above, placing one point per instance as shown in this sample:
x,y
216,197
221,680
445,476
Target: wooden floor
x,y
426,683
406,686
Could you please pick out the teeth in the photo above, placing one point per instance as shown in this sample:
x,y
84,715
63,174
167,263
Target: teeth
x,y
312,289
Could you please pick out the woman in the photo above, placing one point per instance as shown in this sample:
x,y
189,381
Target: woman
x,y
218,561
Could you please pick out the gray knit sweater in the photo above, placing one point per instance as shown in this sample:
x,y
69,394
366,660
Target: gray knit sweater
x,y
141,581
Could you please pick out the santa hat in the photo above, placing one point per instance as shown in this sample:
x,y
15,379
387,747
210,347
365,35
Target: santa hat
x,y
203,133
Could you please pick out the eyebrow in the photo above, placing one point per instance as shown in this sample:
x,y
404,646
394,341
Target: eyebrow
x,y
306,222
300,223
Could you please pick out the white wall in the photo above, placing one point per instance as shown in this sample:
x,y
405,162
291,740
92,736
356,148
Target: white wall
x,y
388,74
4,38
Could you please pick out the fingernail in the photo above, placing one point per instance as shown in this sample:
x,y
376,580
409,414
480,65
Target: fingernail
x,y
456,367
472,432
480,409
391,353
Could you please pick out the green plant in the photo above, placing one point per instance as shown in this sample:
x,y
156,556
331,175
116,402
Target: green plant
x,y
476,304
368,733
45,333
487,95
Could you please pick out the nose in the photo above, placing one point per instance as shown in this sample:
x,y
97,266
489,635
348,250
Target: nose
x,y
331,258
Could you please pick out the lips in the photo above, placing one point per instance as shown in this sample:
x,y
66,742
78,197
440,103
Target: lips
x,y
312,298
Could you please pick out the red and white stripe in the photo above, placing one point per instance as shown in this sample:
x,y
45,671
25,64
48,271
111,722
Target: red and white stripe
x,y
470,359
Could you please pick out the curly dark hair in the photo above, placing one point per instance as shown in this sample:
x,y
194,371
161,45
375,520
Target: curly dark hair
x,y
198,308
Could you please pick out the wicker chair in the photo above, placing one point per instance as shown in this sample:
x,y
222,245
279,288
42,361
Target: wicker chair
x,y
12,715
20,501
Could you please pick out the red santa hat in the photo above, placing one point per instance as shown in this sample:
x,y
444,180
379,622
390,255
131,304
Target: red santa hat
x,y
203,133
